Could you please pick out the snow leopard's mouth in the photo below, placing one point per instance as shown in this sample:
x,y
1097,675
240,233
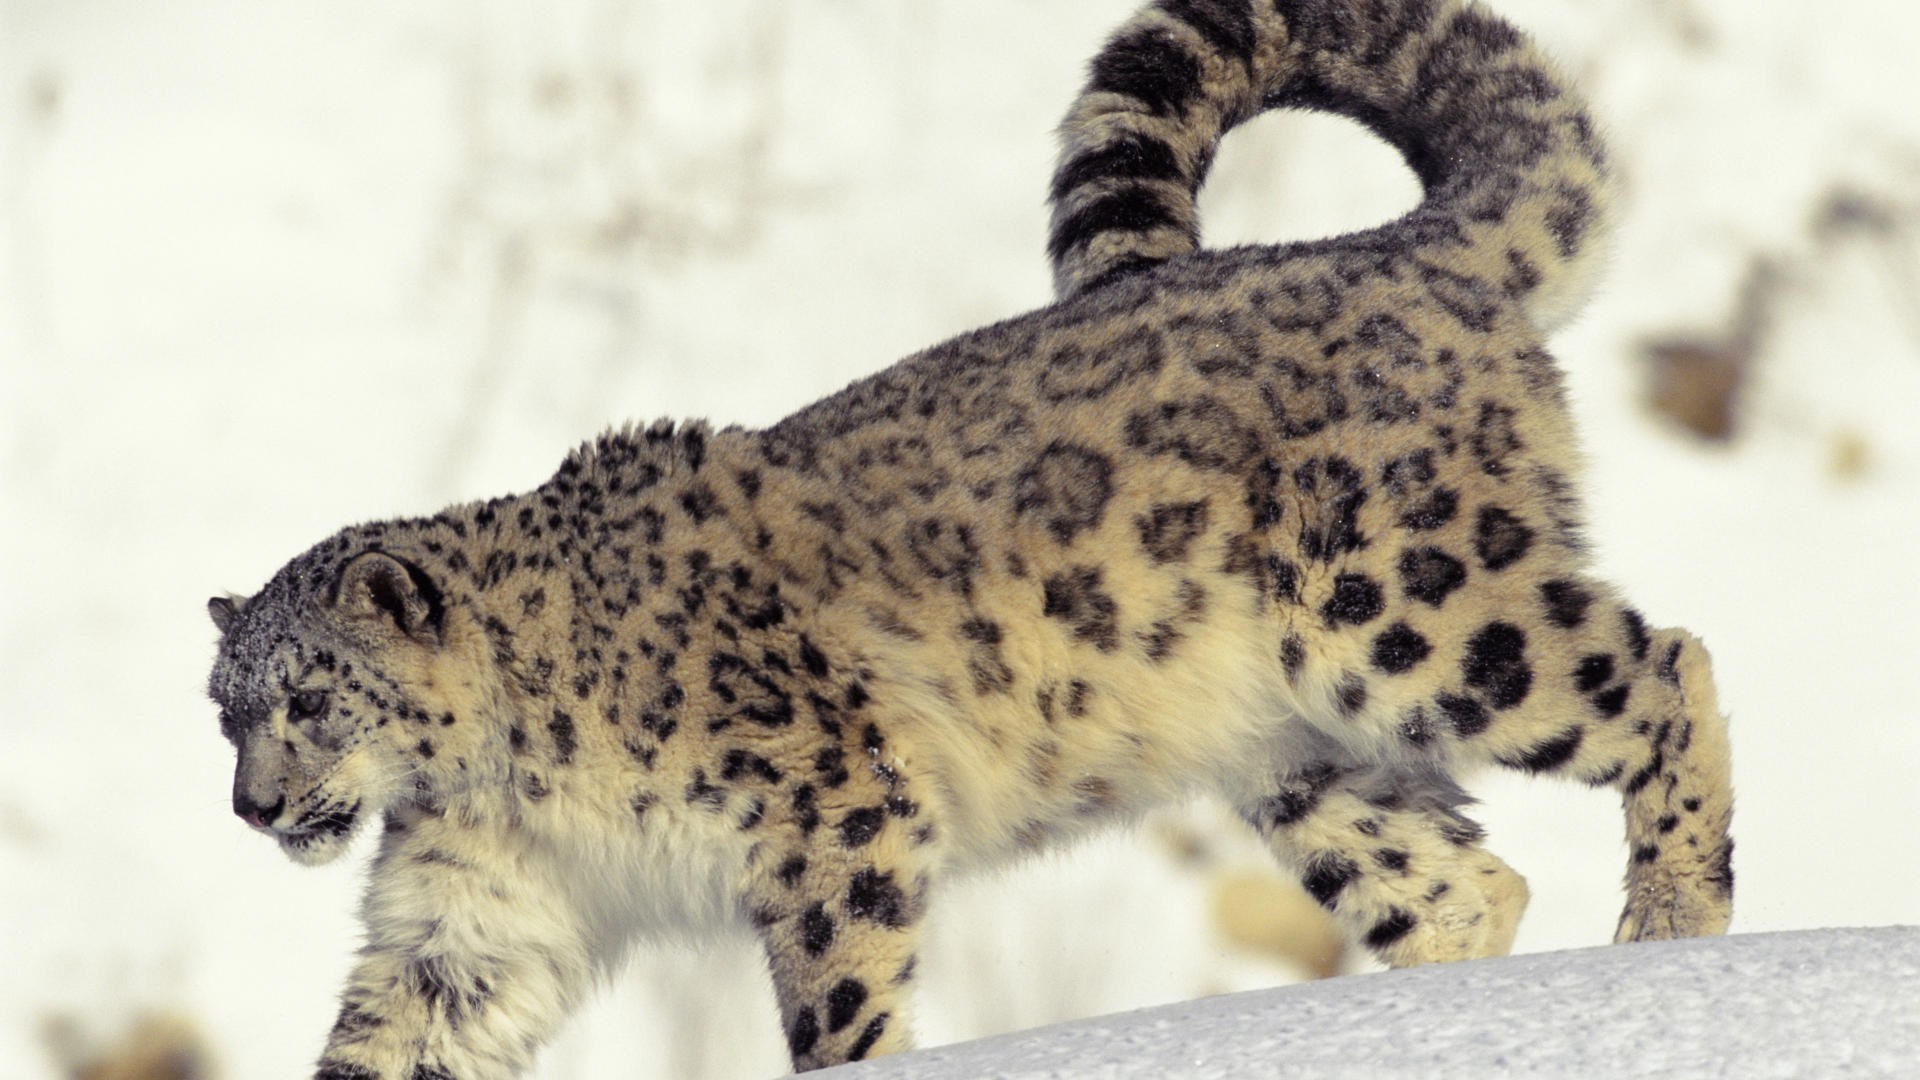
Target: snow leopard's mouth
x,y
318,833
329,820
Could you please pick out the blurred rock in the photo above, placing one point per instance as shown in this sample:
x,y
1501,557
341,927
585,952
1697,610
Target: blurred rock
x,y
1695,380
1848,456
157,1047
1696,383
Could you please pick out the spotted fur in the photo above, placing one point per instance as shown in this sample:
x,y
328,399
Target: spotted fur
x,y
1291,525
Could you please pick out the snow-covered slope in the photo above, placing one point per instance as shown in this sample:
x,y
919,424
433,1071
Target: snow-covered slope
x,y
1822,1003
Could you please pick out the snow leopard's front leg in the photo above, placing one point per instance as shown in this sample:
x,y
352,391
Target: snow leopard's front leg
x,y
839,907
471,962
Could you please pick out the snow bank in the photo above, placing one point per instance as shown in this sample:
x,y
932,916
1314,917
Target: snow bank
x,y
1816,1002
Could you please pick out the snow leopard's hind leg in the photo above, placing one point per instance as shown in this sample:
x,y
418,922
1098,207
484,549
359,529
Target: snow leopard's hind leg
x,y
1679,802
1595,695
1388,853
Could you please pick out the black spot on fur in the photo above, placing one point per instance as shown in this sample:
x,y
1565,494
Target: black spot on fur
x,y
816,930
1494,439
1298,796
1496,665
353,1024
1460,832
831,765
1398,648
1435,509
1569,218
812,659
1271,576
1566,602
1386,334
806,811
1466,715
1594,672
1397,924
1430,575
990,672
739,763
1416,727
1612,702
805,1033
1522,275
1471,300
1201,431
1669,668
1638,640
1334,487
1167,530
1549,755
1500,539
1075,373
868,1036
1263,494
873,897
1391,859
1293,653
1067,487
699,790
792,868
1645,774
945,551
1721,876
561,728
860,826
843,1003
1301,402
1075,598
1328,872
700,503
454,998
1351,694
1409,473
1357,600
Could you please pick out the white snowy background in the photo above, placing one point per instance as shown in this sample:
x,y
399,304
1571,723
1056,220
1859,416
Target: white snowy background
x,y
269,268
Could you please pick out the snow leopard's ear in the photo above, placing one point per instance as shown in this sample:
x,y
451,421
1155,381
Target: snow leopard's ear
x,y
225,609
378,589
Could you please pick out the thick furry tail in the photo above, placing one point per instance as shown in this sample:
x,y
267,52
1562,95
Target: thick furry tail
x,y
1516,181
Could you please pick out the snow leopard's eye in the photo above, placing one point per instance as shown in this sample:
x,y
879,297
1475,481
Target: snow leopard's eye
x,y
307,705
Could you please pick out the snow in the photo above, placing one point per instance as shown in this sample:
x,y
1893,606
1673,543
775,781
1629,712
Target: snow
x,y
1807,1003
268,269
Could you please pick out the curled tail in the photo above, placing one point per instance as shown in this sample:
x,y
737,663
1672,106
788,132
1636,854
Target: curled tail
x,y
1515,179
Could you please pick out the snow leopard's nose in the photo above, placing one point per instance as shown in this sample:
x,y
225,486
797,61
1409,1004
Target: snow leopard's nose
x,y
254,813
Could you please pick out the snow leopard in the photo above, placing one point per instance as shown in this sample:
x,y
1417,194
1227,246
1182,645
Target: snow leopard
x,y
1292,525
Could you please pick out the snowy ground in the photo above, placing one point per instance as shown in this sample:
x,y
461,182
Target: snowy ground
x,y
1810,1003
267,269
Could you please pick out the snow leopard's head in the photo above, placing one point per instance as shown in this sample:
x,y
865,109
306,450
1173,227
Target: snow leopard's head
x,y
336,683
